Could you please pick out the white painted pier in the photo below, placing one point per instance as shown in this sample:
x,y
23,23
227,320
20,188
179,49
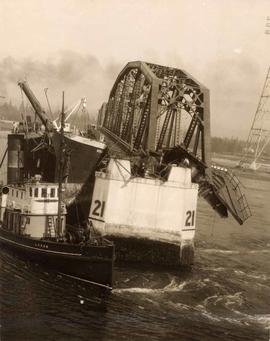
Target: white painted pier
x,y
148,219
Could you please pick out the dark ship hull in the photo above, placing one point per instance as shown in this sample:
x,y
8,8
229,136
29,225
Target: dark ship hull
x,y
29,154
84,155
93,263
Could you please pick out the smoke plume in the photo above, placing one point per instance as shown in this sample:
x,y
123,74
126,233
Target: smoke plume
x,y
78,75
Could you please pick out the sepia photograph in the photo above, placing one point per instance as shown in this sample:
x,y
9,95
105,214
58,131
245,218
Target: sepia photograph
x,y
135,170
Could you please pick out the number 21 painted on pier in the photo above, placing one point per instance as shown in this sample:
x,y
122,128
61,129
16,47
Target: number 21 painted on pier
x,y
190,218
98,208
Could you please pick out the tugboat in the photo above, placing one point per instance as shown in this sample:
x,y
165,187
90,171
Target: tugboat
x,y
30,225
33,223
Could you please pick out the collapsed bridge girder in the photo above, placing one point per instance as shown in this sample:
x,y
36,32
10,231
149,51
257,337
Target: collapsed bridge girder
x,y
221,189
163,111
152,107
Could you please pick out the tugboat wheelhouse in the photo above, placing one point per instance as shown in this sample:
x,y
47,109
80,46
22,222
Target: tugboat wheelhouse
x,y
32,210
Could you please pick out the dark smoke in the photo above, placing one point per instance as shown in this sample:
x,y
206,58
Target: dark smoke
x,y
78,75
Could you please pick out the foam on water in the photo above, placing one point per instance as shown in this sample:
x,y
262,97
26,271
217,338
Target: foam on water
x,y
218,269
260,251
173,286
233,252
261,319
263,277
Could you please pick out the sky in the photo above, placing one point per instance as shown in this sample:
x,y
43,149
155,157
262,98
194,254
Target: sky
x,y
80,46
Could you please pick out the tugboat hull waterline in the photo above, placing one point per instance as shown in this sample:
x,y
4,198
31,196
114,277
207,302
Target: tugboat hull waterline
x,y
92,264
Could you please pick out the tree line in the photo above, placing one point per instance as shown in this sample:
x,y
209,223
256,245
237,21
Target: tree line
x,y
8,111
231,145
227,145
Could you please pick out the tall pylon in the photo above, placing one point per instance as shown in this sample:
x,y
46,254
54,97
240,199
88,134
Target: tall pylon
x,y
257,150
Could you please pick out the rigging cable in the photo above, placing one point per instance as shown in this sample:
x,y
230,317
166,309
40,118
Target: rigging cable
x,y
47,98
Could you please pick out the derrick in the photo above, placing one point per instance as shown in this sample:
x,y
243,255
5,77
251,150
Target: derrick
x,y
39,111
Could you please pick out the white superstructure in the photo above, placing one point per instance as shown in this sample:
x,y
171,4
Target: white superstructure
x,y
34,207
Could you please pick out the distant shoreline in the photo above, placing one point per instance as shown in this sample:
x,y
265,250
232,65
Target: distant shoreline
x,y
225,160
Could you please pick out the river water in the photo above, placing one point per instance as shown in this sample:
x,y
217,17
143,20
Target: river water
x,y
226,296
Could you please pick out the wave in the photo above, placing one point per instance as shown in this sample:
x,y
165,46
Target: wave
x,y
217,269
236,317
227,301
263,277
235,252
173,286
259,251
261,319
220,251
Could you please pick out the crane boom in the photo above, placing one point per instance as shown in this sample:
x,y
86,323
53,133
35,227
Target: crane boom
x,y
37,106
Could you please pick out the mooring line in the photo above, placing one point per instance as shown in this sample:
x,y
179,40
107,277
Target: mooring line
x,y
87,281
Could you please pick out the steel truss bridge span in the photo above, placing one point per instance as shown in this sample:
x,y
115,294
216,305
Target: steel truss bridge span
x,y
163,113
152,107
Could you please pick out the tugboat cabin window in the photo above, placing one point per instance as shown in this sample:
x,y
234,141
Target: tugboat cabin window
x,y
21,195
30,191
36,192
44,192
52,195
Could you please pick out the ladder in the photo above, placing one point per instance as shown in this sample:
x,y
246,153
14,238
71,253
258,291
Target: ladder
x,y
50,227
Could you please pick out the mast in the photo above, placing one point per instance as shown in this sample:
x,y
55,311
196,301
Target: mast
x,y
61,165
37,106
